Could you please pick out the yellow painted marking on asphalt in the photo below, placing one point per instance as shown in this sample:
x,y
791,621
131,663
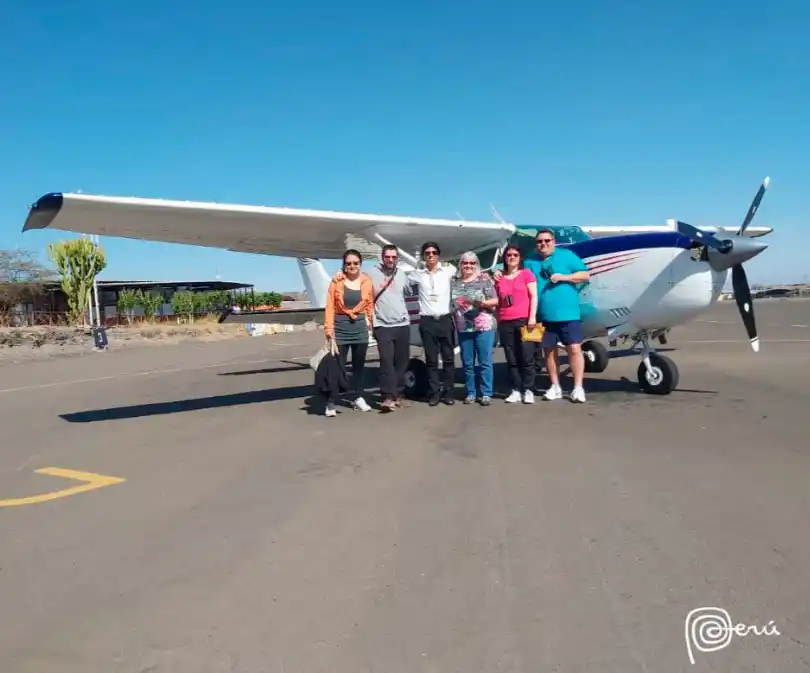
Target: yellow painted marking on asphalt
x,y
92,482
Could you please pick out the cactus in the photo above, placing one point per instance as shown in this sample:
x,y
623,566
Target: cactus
x,y
78,261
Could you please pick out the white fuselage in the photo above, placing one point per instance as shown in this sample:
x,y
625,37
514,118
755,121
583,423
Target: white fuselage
x,y
659,288
632,290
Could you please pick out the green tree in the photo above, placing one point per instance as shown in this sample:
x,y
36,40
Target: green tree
x,y
78,261
183,305
243,301
274,299
271,299
201,302
151,303
21,279
218,300
128,301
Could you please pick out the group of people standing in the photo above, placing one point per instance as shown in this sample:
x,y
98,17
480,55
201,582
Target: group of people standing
x,y
460,306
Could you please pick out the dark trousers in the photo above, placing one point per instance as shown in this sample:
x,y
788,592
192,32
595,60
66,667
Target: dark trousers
x,y
520,355
438,338
358,364
394,347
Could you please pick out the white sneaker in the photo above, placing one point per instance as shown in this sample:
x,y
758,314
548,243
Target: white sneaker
x,y
578,394
553,393
528,397
514,397
361,404
331,412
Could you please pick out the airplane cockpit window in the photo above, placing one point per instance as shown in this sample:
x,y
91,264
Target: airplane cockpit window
x,y
569,234
564,235
524,239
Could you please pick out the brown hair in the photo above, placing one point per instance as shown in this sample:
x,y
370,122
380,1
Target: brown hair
x,y
509,247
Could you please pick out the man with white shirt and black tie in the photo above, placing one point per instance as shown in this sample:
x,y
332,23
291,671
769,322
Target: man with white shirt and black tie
x,y
436,323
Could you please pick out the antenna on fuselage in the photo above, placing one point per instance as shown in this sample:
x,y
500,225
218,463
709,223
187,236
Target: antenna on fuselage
x,y
496,214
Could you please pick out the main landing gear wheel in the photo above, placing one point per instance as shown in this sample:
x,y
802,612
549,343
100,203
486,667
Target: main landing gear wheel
x,y
416,379
596,357
662,378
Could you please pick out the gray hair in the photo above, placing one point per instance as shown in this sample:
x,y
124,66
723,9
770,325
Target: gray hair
x,y
469,256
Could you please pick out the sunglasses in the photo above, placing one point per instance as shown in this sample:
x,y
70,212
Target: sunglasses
x,y
540,241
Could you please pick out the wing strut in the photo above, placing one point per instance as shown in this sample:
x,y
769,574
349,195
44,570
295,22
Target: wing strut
x,y
408,258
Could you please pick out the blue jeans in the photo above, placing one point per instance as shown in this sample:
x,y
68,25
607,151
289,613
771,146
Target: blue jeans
x,y
477,346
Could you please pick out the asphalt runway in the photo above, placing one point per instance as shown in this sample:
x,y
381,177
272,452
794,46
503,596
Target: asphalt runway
x,y
251,534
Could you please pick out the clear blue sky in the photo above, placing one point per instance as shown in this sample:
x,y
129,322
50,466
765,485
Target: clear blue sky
x,y
596,112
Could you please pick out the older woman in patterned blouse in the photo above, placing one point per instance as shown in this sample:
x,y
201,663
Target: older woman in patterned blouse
x,y
474,300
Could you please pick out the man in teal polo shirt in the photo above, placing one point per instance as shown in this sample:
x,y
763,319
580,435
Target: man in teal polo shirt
x,y
558,273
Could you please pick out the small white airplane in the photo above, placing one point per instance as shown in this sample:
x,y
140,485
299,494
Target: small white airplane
x,y
644,280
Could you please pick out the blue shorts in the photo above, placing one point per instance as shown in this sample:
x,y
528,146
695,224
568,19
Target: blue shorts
x,y
566,333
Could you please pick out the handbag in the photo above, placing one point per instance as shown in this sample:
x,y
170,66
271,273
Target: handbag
x,y
315,360
535,335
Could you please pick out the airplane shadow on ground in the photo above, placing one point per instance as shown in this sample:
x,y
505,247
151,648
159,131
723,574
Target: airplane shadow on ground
x,y
291,367
314,405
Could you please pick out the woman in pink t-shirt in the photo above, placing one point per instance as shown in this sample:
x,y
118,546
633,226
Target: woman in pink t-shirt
x,y
517,306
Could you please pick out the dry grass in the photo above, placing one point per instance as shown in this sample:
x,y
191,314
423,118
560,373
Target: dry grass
x,y
207,329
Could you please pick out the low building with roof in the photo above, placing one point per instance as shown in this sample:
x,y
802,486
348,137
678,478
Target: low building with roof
x,y
50,305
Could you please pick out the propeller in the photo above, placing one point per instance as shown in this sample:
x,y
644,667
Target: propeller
x,y
731,251
742,295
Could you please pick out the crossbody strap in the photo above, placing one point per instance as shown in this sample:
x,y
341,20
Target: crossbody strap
x,y
385,287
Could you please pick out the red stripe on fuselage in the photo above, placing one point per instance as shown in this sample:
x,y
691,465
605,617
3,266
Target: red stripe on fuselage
x,y
612,259
607,268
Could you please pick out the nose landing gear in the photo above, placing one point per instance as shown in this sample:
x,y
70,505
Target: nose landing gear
x,y
657,374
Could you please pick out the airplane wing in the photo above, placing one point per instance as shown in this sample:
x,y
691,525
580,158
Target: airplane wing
x,y
285,232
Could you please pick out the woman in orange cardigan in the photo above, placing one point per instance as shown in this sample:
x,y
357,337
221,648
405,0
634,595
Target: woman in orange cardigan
x,y
348,321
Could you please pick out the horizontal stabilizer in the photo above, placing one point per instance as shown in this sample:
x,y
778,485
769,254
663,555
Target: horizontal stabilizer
x,y
293,316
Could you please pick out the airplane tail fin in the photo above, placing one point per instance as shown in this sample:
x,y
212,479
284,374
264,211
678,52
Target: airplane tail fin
x,y
316,280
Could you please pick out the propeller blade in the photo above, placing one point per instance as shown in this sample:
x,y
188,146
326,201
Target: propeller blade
x,y
742,295
702,236
754,206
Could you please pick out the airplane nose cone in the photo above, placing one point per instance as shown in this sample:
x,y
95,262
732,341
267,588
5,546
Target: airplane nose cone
x,y
743,248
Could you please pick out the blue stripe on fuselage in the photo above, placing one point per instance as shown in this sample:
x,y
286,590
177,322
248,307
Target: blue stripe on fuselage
x,y
628,242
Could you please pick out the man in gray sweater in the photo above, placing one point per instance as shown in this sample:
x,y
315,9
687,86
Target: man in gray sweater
x,y
392,326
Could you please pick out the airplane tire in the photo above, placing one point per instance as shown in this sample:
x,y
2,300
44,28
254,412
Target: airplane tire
x,y
663,378
416,379
596,357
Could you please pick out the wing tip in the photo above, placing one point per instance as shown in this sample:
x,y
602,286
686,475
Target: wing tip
x,y
43,211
